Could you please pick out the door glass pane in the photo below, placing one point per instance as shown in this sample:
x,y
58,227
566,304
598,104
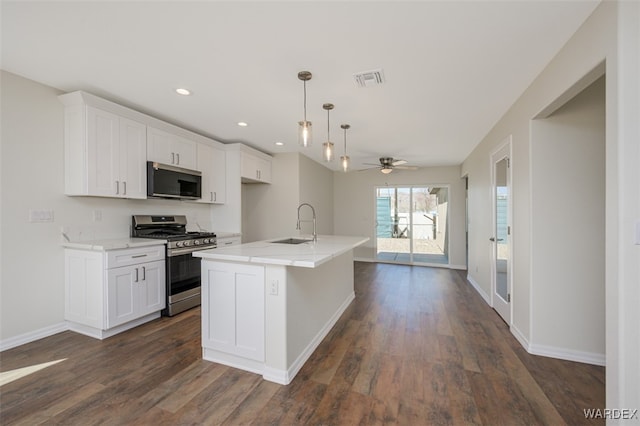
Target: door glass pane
x,y
429,225
502,239
411,224
392,226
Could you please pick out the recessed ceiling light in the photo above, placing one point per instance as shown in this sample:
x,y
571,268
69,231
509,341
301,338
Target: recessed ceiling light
x,y
242,124
280,143
183,92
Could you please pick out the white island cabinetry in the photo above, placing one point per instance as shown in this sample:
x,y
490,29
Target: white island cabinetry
x,y
266,306
112,286
234,291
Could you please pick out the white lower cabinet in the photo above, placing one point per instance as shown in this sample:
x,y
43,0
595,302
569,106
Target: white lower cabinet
x,y
134,291
107,292
233,309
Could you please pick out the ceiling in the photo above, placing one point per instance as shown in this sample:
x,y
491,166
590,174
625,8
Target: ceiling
x,y
452,68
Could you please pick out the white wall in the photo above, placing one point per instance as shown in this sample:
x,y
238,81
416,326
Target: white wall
x,y
32,264
270,210
610,36
568,219
623,249
316,188
354,204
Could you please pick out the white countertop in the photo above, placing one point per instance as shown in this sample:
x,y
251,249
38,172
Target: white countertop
x,y
114,244
306,255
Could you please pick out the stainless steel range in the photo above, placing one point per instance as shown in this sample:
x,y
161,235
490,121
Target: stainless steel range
x,y
183,270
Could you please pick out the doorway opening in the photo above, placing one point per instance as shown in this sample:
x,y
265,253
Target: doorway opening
x,y
412,225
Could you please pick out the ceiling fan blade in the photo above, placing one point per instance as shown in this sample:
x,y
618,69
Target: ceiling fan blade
x,y
398,162
406,167
371,164
368,168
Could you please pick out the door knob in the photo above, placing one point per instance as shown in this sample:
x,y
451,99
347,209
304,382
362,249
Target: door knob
x,y
492,239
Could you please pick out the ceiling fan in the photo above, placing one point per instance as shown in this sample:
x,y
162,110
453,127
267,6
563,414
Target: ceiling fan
x,y
387,164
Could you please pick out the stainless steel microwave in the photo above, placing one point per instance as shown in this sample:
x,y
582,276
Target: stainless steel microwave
x,y
165,181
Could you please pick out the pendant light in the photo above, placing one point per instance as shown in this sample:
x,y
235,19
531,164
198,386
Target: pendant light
x,y
327,147
304,126
344,160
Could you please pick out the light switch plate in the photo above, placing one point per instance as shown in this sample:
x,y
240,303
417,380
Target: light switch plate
x,y
40,216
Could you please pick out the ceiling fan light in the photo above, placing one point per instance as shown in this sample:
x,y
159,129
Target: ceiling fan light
x,y
344,162
327,151
386,170
304,133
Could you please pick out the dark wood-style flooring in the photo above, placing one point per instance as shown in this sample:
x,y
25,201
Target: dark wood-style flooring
x,y
418,346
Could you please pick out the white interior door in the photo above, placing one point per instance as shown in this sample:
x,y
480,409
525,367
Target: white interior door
x,y
501,235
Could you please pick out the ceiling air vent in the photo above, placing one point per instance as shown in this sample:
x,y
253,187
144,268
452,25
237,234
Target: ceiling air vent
x,y
369,78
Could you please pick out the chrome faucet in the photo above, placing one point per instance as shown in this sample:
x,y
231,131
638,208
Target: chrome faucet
x,y
315,234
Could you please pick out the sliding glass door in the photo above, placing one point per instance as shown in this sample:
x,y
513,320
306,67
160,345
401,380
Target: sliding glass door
x,y
411,224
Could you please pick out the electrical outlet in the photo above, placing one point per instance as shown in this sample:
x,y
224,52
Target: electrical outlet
x,y
273,289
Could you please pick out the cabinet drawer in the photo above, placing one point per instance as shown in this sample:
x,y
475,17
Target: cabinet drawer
x,y
133,256
229,241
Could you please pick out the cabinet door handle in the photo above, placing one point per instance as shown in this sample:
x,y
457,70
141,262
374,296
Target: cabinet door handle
x,y
178,157
144,273
173,158
228,243
139,255
125,188
136,280
211,196
117,187
215,196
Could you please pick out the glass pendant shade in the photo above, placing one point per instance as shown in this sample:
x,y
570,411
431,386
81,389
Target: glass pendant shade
x,y
386,170
304,133
327,147
304,126
344,161
327,151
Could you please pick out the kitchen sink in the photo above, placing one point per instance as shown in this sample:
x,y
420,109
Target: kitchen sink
x,y
291,241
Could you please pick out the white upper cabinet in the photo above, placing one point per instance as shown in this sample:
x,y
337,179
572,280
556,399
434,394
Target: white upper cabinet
x,y
212,164
167,148
254,168
104,154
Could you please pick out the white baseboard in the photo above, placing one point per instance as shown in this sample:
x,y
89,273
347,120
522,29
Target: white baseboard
x,y
568,354
364,259
458,267
519,337
32,336
315,342
558,353
479,289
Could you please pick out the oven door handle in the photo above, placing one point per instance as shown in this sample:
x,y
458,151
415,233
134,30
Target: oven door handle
x,y
178,252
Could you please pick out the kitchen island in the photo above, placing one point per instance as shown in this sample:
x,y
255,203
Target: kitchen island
x,y
266,306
